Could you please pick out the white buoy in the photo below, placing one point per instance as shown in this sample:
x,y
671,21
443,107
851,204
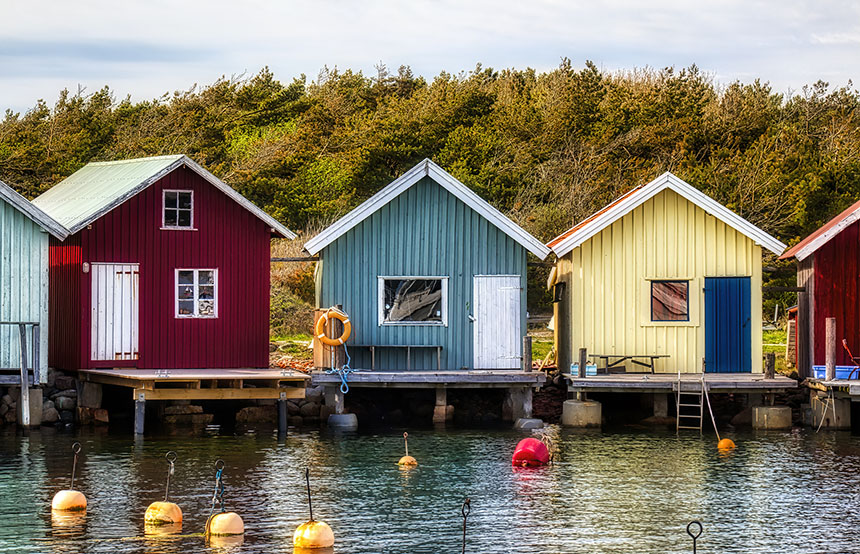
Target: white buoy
x,y
70,500
312,534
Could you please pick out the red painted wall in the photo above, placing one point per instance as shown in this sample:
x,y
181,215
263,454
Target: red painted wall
x,y
227,238
837,294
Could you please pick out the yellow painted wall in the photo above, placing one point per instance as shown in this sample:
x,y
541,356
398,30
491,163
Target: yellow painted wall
x,y
607,302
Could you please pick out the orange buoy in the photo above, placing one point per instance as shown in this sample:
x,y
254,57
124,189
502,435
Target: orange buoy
x,y
162,513
226,523
70,500
313,534
407,460
726,444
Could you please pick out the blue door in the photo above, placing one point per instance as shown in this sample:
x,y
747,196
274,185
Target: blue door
x,y
728,325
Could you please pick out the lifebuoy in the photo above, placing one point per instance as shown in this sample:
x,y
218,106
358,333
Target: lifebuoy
x,y
322,322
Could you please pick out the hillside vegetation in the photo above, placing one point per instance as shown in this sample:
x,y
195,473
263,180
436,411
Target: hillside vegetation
x,y
545,148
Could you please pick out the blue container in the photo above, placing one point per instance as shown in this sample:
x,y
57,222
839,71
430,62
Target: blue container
x,y
842,371
590,369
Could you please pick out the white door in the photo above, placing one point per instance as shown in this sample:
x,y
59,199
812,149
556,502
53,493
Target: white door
x,y
115,311
498,344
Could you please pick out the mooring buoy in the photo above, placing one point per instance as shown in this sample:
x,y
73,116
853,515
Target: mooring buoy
x,y
312,534
70,500
407,460
222,523
164,512
726,444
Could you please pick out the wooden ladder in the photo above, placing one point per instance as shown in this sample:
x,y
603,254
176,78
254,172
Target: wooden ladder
x,y
689,405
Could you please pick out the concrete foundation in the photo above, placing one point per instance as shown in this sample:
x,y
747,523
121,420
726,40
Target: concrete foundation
x,y
836,412
441,411
35,395
518,404
581,413
771,417
89,395
343,422
526,423
661,405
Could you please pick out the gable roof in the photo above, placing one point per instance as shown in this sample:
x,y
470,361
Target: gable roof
x,y
823,234
447,181
614,211
99,187
26,207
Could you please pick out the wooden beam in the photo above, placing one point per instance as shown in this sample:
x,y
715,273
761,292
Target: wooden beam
x,y
219,394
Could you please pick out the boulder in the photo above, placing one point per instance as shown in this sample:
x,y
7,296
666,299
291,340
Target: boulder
x,y
50,415
292,408
64,382
11,416
315,394
183,409
4,408
100,415
65,402
310,409
7,400
67,416
257,414
188,419
67,393
85,415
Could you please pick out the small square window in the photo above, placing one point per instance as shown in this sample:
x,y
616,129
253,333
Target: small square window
x,y
178,209
196,293
670,301
413,301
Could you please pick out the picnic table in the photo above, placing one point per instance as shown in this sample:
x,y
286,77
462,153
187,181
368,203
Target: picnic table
x,y
616,360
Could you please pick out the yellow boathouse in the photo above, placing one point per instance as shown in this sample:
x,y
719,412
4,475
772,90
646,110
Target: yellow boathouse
x,y
664,279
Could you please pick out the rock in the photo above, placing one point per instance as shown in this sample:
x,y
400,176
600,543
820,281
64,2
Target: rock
x,y
7,400
67,416
292,408
64,382
257,414
50,415
85,416
100,415
67,393
52,378
4,408
11,417
47,404
315,394
310,409
186,409
295,421
744,417
188,419
65,403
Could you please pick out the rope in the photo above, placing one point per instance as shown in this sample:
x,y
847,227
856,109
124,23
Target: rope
x,y
827,403
171,458
344,371
217,496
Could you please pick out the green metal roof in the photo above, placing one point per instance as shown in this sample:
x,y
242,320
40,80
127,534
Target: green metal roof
x,y
99,187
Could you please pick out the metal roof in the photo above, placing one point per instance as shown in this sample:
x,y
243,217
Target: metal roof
x,y
823,234
99,187
614,211
26,207
447,181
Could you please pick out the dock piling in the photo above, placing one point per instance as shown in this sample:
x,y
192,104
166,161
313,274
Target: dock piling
x,y
769,365
830,348
139,413
282,415
527,354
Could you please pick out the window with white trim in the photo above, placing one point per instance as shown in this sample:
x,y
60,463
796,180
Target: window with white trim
x,y
197,293
413,300
178,212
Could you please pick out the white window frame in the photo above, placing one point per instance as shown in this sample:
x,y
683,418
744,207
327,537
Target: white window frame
x,y
196,271
164,207
380,300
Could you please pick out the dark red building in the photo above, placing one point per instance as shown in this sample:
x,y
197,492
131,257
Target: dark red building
x,y
165,267
829,271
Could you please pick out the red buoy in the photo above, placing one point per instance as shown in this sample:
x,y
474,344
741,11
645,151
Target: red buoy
x,y
530,453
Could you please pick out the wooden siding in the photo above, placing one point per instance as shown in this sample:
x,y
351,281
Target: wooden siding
x,y
608,278
23,284
226,237
836,293
805,315
425,231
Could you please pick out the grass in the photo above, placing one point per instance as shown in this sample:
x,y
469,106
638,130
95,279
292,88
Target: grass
x,y
296,345
540,348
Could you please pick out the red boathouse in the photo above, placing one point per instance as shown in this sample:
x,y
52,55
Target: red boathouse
x,y
829,272
165,267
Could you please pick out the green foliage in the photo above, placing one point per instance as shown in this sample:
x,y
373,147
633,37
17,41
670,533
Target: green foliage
x,y
546,148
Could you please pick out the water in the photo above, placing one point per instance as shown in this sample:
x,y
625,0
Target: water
x,y
625,491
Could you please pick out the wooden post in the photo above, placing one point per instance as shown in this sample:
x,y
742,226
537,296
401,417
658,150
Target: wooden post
x,y
830,348
139,413
282,415
527,353
769,365
37,370
583,358
24,399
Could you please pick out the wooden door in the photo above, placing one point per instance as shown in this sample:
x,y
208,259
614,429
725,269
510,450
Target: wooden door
x,y
728,325
115,311
497,329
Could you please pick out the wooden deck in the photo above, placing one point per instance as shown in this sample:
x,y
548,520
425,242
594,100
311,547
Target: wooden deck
x,y
665,382
502,378
844,387
203,384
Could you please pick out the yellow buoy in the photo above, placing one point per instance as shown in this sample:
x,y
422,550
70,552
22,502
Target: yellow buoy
x,y
162,513
69,501
226,523
726,444
313,534
407,460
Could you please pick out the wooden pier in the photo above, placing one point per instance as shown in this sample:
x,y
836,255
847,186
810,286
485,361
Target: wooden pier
x,y
749,383
202,384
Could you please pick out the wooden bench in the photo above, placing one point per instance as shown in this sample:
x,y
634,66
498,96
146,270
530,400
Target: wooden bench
x,y
408,347
621,358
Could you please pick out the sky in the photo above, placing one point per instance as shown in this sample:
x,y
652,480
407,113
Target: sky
x,y
147,48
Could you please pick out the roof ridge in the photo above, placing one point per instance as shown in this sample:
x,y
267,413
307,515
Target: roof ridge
x,y
135,160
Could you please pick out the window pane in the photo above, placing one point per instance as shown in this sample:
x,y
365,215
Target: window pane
x,y
186,277
206,307
669,301
185,200
170,218
206,291
206,277
413,300
186,292
186,307
184,218
169,199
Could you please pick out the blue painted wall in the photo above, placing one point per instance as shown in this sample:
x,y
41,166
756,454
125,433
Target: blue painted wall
x,y
425,231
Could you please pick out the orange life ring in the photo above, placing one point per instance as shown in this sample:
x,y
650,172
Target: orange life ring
x,y
322,322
